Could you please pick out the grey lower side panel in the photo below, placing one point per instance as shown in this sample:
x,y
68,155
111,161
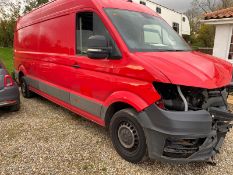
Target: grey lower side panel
x,y
33,83
85,105
72,99
55,92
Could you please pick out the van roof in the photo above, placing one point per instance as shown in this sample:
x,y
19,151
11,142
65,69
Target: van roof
x,y
61,7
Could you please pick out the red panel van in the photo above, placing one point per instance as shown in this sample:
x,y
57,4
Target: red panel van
x,y
120,65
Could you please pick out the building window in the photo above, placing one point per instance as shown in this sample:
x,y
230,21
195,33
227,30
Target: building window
x,y
184,19
158,10
230,57
176,27
142,2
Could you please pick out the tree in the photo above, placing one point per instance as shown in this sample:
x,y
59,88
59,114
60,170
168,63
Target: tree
x,y
9,14
205,6
203,35
31,4
2,3
226,4
194,19
10,11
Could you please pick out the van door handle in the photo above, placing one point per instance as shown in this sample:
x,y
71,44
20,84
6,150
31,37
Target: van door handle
x,y
76,66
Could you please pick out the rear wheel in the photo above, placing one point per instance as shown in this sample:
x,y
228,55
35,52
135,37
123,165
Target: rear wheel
x,y
24,89
128,136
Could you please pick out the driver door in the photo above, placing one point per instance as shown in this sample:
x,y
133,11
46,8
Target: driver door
x,y
92,77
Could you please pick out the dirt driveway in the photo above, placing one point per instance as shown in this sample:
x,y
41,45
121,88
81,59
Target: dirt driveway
x,y
44,138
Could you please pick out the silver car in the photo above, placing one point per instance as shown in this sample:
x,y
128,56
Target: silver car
x,y
9,91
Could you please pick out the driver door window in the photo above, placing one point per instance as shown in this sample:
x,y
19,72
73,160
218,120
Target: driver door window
x,y
89,24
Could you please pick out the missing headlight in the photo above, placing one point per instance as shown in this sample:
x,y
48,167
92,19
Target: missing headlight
x,y
183,98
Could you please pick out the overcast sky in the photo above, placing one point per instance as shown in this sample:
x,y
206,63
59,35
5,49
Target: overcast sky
x,y
178,5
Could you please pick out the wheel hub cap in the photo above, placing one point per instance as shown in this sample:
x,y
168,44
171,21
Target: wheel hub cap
x,y
127,135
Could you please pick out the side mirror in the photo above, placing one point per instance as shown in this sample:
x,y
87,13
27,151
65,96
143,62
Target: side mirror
x,y
98,47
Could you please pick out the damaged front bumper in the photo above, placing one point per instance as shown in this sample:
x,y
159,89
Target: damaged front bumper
x,y
184,136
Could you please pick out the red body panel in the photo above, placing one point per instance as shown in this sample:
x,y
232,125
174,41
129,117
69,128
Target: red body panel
x,y
188,68
45,50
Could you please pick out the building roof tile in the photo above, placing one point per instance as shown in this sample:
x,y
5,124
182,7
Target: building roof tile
x,y
219,14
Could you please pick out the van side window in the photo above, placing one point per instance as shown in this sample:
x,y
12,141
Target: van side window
x,y
87,25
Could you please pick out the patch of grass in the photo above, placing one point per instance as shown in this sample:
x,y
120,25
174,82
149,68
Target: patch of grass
x,y
6,56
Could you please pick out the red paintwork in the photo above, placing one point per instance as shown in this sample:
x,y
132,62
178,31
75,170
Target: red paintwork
x,y
188,68
46,51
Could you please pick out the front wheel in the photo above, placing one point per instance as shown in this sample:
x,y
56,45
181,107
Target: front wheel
x,y
128,136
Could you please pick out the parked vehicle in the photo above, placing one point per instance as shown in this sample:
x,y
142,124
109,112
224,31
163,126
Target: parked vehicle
x,y
120,65
9,91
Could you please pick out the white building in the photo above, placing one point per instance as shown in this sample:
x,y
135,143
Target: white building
x,y
223,43
178,21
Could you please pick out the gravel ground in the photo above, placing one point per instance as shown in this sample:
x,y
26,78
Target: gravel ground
x,y
43,138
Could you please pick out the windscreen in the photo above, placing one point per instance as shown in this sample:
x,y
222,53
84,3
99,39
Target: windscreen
x,y
146,33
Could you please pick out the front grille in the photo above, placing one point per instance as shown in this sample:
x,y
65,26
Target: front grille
x,y
181,148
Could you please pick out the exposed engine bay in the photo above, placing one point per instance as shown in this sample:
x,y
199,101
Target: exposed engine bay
x,y
197,121
182,98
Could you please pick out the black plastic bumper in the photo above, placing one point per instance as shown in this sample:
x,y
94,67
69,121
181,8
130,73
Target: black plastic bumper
x,y
184,136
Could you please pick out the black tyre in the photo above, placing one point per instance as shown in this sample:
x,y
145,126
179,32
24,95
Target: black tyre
x,y
15,107
24,89
128,136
